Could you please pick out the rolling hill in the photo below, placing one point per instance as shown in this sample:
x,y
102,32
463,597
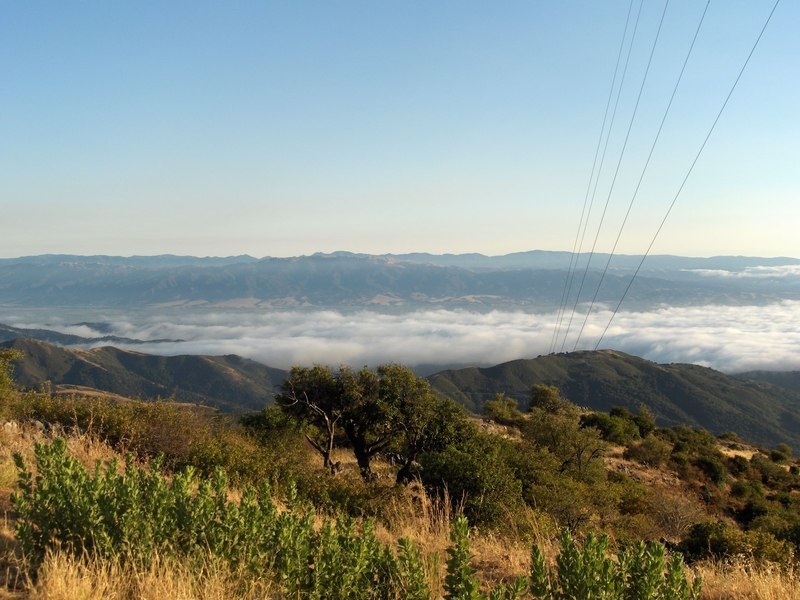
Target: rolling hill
x,y
757,410
230,383
676,393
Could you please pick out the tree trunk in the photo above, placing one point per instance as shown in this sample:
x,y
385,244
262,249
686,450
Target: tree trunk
x,y
405,475
363,459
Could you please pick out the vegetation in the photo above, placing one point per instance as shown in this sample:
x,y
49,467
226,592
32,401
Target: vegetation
x,y
366,484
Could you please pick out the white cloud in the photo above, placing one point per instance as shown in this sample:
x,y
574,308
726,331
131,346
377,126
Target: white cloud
x,y
729,338
761,272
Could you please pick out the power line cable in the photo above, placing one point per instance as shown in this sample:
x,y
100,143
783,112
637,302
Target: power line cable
x,y
597,180
572,259
619,162
644,170
688,173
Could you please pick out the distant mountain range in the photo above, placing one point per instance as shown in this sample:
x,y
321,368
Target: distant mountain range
x,y
752,405
526,279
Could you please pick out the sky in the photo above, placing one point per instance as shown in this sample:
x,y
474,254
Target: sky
x,y
288,128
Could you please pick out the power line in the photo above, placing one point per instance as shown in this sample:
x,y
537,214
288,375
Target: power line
x,y
644,169
597,179
572,259
688,173
621,156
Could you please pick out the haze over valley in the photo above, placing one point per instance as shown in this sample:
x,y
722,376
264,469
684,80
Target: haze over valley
x,y
431,311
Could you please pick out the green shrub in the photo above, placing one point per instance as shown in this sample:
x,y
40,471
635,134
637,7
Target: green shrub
x,y
184,435
502,409
617,428
477,476
652,451
712,467
7,357
136,513
720,540
460,582
642,572
778,457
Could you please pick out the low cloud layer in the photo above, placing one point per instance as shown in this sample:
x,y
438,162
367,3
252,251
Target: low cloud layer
x,y
729,338
761,272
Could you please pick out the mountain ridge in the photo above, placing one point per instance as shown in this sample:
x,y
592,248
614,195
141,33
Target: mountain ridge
x,y
230,383
677,393
693,395
533,279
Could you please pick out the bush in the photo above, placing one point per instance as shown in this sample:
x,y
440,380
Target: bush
x,y
713,468
476,475
613,428
460,582
184,435
778,456
723,541
641,572
502,409
138,513
652,451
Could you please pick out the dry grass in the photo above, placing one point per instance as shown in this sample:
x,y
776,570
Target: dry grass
x,y
745,582
65,578
425,520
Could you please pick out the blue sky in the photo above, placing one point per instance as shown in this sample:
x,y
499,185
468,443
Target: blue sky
x,y
286,128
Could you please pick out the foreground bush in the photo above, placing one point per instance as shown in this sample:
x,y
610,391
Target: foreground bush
x,y
722,541
138,514
642,572
135,516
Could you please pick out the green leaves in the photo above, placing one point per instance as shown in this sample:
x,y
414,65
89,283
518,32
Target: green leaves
x,y
641,572
139,512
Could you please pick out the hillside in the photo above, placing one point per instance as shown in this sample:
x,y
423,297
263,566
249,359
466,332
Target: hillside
x,y
230,383
759,411
785,379
676,393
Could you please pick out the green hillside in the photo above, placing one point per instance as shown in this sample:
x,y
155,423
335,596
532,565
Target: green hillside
x,y
230,383
759,411
785,379
676,393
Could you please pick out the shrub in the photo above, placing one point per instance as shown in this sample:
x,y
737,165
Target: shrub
x,y
475,474
652,451
778,456
185,435
712,467
614,428
138,513
502,409
641,572
460,582
722,541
